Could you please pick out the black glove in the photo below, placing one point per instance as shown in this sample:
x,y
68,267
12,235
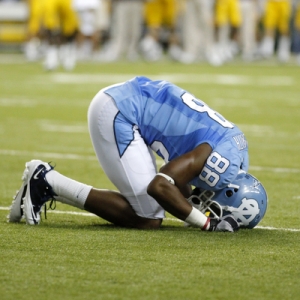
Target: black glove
x,y
227,223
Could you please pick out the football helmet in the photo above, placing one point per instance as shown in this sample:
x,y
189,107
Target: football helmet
x,y
245,198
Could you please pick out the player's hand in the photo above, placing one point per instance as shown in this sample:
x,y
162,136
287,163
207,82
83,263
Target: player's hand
x,y
227,223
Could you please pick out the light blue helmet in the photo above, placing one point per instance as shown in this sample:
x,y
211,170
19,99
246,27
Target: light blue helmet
x,y
245,198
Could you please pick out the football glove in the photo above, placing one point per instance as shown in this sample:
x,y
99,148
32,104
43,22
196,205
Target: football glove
x,y
226,223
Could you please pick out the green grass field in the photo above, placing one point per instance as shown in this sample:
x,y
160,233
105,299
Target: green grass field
x,y
73,255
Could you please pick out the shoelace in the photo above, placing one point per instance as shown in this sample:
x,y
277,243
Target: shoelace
x,y
52,206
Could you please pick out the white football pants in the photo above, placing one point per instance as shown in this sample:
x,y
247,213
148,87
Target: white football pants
x,y
130,173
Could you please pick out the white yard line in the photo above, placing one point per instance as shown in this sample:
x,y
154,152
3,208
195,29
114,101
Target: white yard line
x,y
47,155
222,79
85,214
70,156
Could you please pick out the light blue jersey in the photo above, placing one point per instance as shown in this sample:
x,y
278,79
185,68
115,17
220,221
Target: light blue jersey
x,y
173,122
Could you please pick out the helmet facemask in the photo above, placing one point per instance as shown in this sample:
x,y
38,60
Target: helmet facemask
x,y
202,200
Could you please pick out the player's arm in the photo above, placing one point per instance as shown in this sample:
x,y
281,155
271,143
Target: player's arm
x,y
172,196
169,188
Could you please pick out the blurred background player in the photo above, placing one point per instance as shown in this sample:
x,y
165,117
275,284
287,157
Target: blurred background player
x,y
88,38
161,18
32,46
277,19
297,31
61,26
198,32
228,20
248,30
125,31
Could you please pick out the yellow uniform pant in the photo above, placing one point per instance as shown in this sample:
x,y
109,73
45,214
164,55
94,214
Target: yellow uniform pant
x,y
59,15
35,16
277,15
228,12
160,12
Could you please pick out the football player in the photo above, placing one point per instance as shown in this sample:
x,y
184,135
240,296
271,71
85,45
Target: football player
x,y
228,16
126,29
248,30
161,17
32,46
198,31
88,37
277,17
129,123
61,27
297,31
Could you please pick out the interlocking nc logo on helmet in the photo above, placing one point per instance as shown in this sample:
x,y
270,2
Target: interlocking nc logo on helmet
x,y
246,212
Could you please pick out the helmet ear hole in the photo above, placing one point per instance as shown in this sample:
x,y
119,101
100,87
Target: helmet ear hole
x,y
229,193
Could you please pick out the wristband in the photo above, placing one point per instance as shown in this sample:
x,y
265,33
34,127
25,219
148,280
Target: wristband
x,y
170,179
197,218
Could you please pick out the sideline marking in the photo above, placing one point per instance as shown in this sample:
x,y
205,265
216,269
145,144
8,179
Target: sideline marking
x,y
86,214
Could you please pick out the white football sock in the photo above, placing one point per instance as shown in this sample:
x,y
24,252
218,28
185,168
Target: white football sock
x,y
69,191
284,48
267,46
